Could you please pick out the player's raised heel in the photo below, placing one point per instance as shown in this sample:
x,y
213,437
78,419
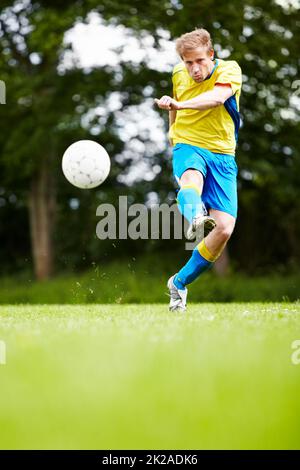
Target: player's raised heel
x,y
200,227
177,297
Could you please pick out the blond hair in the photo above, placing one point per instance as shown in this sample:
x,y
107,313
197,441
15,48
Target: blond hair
x,y
189,41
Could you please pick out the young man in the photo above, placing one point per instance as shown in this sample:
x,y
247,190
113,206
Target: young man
x,y
204,123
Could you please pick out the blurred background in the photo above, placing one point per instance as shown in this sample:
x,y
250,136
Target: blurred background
x,y
90,70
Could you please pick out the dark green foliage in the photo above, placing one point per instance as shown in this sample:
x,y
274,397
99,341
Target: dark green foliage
x,y
142,279
45,107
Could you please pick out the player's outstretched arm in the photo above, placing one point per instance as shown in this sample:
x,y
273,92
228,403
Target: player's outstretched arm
x,y
206,100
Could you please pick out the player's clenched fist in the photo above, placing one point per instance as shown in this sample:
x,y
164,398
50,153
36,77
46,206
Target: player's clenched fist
x,y
166,102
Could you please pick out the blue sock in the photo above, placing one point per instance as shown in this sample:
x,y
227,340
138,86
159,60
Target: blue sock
x,y
189,201
195,266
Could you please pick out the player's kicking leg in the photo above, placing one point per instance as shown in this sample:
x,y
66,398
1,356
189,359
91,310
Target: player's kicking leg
x,y
203,257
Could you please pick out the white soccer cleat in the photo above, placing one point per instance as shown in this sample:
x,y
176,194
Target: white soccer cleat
x,y
200,226
177,297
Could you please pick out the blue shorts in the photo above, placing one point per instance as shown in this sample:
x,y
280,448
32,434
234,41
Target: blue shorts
x,y
219,172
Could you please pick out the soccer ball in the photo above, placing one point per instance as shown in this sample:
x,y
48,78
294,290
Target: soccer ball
x,y
86,164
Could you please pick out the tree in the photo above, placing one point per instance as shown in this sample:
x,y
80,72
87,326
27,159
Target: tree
x,y
40,116
47,102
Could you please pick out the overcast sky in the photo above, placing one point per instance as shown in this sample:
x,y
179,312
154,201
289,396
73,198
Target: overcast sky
x,y
95,43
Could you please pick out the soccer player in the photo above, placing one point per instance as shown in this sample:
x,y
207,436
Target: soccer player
x,y
204,124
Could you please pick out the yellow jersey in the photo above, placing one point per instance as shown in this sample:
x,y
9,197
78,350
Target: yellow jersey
x,y
215,129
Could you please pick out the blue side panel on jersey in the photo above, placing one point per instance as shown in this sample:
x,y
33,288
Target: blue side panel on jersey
x,y
232,109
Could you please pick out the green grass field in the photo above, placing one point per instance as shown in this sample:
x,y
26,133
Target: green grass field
x,y
136,376
144,281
